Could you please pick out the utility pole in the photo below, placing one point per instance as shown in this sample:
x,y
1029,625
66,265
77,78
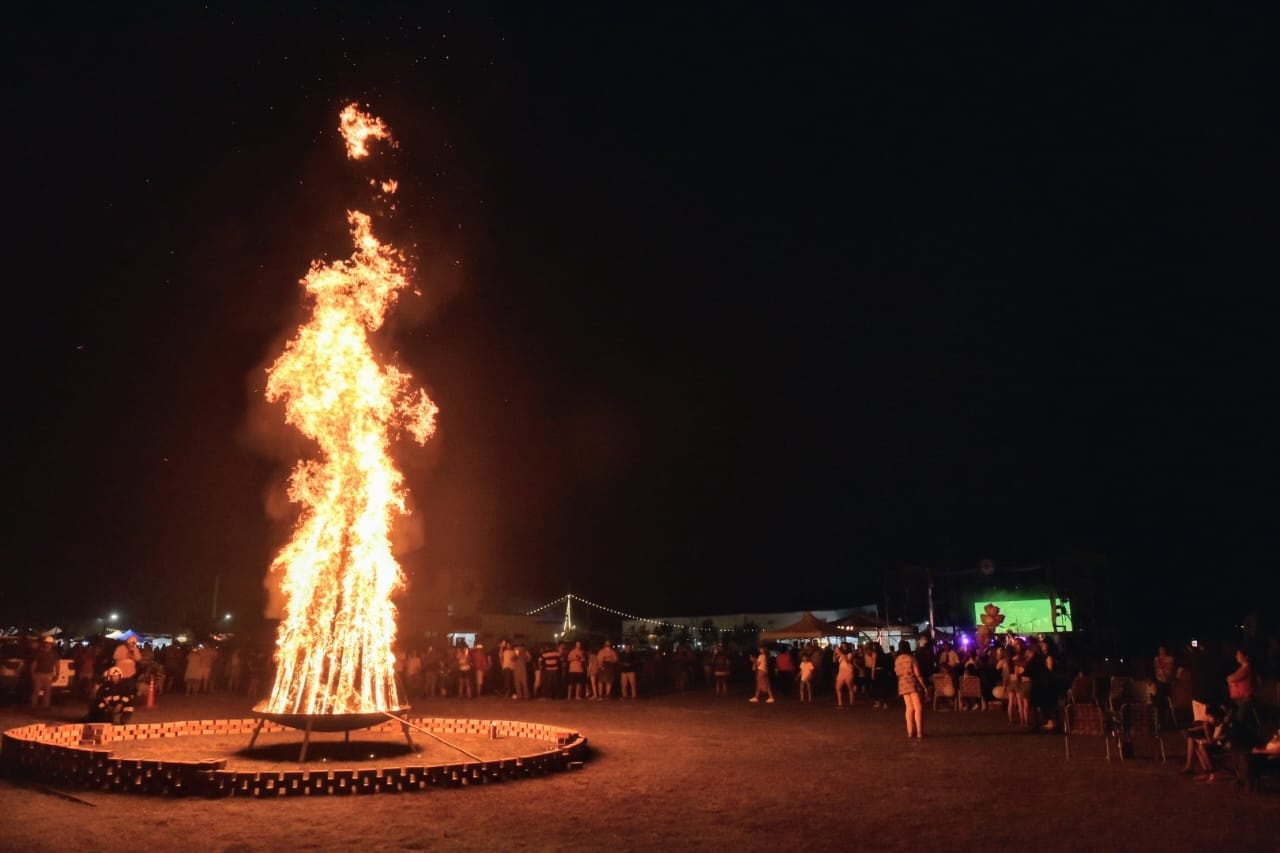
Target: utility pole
x,y
213,609
985,567
933,625
885,581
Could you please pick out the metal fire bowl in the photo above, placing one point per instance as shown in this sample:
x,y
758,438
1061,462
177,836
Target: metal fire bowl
x,y
329,722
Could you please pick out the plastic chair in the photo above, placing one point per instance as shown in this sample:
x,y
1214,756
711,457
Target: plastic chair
x,y
1086,719
1083,689
1142,719
944,688
971,689
1119,692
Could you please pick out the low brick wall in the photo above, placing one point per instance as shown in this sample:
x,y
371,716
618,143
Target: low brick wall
x,y
85,756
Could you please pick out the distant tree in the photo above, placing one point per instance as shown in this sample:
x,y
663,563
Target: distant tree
x,y
707,633
746,635
198,626
663,633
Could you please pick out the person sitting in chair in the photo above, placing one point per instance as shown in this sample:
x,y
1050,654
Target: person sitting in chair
x,y
1206,738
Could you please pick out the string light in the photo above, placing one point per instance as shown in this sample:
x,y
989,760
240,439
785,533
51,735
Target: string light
x,y
545,606
568,598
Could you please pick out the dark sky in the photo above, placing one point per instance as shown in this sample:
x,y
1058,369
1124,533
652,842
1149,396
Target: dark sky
x,y
738,308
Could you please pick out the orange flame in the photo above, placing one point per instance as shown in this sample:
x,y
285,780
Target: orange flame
x,y
334,647
357,127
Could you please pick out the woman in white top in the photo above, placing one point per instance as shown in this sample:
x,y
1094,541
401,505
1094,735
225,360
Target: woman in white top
x,y
763,685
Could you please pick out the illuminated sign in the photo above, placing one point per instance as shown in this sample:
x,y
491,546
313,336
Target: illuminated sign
x,y
1027,616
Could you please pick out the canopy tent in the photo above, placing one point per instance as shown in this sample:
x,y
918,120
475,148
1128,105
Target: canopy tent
x,y
862,626
868,628
858,623
808,627
159,641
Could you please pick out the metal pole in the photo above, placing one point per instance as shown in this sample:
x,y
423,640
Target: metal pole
x,y
933,628
408,725
885,582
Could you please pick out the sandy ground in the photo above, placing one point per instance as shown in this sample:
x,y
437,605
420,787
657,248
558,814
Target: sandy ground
x,y
693,771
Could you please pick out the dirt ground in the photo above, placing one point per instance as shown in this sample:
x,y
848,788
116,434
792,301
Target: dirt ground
x,y
693,771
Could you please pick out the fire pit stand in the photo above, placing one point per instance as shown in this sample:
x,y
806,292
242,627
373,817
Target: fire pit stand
x,y
344,723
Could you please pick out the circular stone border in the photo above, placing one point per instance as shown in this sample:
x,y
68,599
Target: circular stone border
x,y
77,755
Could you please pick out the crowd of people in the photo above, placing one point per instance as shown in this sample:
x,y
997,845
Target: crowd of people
x,y
1030,679
517,671
112,674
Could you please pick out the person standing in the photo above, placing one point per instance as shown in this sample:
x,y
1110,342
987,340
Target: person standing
x,y
431,673
462,663
593,674
235,670
174,659
844,674
806,678
910,683
44,668
1242,684
126,657
1022,665
577,664
877,661
191,670
721,666
785,669
948,661
507,658
520,672
208,666
1044,693
413,673
925,657
865,659
627,667
86,666
479,666
763,685
683,659
607,660
549,666
399,669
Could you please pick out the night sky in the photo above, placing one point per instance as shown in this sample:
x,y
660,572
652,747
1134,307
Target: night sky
x,y
737,308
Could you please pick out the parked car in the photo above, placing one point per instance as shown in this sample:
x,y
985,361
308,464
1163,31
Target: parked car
x,y
12,669
13,673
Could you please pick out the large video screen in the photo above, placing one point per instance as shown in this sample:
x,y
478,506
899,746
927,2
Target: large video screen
x,y
1025,617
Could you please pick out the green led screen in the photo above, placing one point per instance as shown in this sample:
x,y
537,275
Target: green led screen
x,y
1026,617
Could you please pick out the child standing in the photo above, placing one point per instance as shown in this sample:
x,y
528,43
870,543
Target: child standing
x,y
806,678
